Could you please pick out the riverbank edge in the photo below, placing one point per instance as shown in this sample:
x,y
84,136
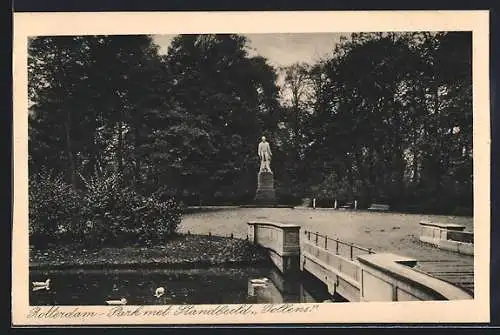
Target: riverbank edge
x,y
147,265
239,258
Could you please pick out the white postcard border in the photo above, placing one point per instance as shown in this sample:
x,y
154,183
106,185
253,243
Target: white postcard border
x,y
33,24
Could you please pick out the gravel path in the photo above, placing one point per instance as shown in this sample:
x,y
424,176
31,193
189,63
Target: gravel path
x,y
383,232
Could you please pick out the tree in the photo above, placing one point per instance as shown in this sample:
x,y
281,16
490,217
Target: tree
x,y
89,95
393,120
225,100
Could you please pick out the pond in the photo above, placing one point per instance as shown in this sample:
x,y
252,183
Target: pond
x,y
193,286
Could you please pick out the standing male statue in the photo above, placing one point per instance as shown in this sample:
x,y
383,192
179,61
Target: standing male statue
x,y
265,194
265,155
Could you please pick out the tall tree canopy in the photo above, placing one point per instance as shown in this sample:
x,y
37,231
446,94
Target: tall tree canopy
x,y
393,121
187,122
226,100
386,117
89,95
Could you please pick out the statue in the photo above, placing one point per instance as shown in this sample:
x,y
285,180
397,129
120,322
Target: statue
x,y
265,195
265,154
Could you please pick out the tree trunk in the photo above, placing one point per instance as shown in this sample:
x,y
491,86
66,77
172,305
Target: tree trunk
x,y
69,152
437,150
416,173
94,151
119,149
137,144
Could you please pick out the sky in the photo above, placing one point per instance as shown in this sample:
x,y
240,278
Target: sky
x,y
281,49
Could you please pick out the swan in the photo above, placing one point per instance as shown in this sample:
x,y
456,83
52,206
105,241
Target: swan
x,y
40,285
122,301
38,288
159,292
259,281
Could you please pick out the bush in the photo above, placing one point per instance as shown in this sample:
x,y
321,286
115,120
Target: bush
x,y
157,219
53,209
107,212
115,214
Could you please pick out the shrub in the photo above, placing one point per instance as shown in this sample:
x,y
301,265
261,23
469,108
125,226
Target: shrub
x,y
114,214
106,204
156,219
53,209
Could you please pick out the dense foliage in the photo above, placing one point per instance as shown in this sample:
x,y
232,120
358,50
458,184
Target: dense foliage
x,y
115,214
105,212
53,209
386,117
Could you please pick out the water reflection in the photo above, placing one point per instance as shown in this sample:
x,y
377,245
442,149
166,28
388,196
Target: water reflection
x,y
281,290
168,286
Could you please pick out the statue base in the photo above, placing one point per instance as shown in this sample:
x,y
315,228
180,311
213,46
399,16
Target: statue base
x,y
265,194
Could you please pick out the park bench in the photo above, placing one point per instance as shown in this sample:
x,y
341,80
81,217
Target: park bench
x,y
347,205
378,207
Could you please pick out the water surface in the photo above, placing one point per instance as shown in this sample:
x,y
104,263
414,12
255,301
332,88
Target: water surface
x,y
194,286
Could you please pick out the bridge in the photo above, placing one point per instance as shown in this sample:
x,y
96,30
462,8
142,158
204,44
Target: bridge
x,y
351,271
281,240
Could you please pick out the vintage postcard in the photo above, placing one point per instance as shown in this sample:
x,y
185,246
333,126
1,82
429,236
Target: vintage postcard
x,y
251,168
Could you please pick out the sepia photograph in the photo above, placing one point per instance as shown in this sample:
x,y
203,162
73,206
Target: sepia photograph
x,y
250,174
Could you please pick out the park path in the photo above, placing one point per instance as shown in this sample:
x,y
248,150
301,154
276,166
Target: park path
x,y
383,232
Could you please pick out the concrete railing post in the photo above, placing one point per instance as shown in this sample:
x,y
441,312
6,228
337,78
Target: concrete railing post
x,y
441,235
282,241
251,233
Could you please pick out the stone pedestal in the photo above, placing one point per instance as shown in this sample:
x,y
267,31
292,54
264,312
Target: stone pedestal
x,y
266,194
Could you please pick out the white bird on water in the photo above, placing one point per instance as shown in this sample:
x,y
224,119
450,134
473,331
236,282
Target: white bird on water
x,y
259,281
159,292
122,301
40,285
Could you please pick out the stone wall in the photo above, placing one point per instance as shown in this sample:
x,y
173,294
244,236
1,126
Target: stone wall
x,y
449,237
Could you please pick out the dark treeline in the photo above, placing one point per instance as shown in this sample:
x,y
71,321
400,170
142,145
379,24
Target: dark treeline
x,y
386,117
